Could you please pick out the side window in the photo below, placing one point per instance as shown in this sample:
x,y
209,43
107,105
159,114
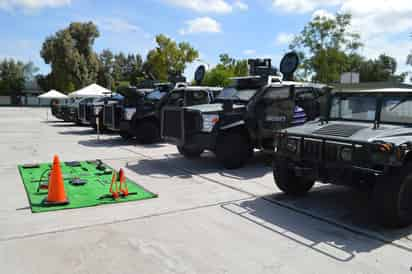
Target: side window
x,y
176,98
200,97
305,94
275,94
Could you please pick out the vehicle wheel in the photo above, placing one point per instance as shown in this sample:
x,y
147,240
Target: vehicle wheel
x,y
233,150
287,181
125,135
392,198
190,152
148,132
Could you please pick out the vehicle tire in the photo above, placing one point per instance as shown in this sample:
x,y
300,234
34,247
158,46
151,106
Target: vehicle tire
x,y
287,181
148,132
190,152
233,150
392,198
125,135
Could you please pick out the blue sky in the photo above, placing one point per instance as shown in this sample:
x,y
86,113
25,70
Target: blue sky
x,y
242,28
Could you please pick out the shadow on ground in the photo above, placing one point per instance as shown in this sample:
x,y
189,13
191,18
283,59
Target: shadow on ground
x,y
175,165
337,205
78,132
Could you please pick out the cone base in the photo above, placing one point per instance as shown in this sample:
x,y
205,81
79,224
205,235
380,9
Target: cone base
x,y
45,202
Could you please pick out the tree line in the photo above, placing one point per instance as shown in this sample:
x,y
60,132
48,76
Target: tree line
x,y
326,47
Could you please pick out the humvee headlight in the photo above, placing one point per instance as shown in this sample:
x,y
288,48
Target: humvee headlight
x,y
128,113
209,122
292,145
346,154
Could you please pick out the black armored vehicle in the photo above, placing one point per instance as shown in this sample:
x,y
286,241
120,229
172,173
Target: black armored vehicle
x,y
95,110
110,112
143,121
364,139
245,115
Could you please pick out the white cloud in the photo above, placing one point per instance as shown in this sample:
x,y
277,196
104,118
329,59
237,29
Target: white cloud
x,y
323,14
302,6
117,25
201,25
203,6
32,4
249,52
241,5
284,38
371,17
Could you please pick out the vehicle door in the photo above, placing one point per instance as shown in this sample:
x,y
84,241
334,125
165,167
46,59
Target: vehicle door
x,y
274,110
307,99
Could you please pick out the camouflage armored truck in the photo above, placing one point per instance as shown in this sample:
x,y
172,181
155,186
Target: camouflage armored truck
x,y
245,115
364,139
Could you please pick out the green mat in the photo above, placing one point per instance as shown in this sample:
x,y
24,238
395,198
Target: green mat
x,y
98,184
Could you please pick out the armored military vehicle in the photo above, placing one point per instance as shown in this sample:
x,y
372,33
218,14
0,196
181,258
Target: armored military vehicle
x,y
244,115
364,139
142,121
112,110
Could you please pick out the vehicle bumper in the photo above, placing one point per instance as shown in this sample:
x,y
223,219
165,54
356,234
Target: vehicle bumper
x,y
202,140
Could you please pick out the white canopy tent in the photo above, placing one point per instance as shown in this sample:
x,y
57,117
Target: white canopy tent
x,y
93,90
52,94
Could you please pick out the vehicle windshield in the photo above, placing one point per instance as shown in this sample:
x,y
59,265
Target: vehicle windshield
x,y
354,107
396,110
157,94
236,94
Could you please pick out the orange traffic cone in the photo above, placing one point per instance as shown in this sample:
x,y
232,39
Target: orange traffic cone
x,y
114,192
56,194
123,184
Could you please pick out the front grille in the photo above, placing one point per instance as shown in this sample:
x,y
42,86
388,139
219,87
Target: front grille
x,y
108,116
118,113
312,150
339,130
82,111
331,152
172,123
89,113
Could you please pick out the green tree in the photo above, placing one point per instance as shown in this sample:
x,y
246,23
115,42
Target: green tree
x,y
325,43
106,67
228,67
70,53
14,75
169,58
381,69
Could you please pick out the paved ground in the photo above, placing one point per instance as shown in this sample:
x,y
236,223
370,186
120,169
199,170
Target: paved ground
x,y
206,220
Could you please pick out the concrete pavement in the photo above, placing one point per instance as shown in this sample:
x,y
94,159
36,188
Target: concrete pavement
x,y
206,219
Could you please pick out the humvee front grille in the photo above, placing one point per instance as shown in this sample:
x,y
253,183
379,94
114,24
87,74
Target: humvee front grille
x,y
339,130
312,150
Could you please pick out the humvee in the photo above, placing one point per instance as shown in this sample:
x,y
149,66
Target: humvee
x,y
364,139
244,115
